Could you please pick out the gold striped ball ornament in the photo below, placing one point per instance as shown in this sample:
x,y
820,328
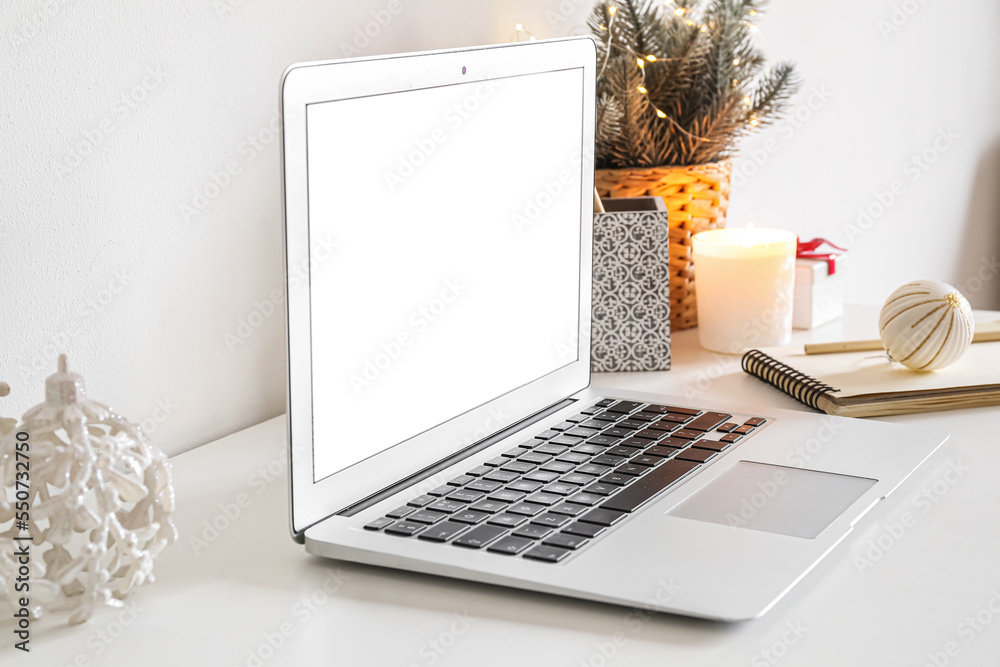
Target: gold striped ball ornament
x,y
926,325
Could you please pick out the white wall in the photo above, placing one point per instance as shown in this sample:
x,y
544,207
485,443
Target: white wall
x,y
124,242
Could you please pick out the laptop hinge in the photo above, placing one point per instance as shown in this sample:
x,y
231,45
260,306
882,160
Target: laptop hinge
x,y
464,453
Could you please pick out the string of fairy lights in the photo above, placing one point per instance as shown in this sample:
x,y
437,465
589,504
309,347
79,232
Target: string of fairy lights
x,y
642,60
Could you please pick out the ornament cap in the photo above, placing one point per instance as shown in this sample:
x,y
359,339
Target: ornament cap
x,y
63,388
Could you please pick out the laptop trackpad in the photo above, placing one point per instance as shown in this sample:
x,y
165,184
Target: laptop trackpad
x,y
776,499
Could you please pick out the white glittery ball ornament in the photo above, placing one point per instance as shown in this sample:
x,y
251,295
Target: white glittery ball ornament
x,y
87,495
926,325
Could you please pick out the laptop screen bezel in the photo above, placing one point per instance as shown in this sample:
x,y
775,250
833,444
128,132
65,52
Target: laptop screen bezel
x,y
308,83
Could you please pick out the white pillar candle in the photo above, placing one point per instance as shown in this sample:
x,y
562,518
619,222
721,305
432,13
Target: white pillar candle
x,y
744,284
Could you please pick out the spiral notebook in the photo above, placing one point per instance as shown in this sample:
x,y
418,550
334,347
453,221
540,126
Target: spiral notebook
x,y
867,384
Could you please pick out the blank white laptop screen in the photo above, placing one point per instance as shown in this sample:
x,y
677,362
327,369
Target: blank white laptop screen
x,y
456,274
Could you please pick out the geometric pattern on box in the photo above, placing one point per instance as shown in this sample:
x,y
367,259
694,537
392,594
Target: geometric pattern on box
x,y
631,305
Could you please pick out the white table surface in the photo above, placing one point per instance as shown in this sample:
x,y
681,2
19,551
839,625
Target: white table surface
x,y
917,579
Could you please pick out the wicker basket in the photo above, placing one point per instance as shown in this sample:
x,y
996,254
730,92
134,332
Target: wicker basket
x,y
697,198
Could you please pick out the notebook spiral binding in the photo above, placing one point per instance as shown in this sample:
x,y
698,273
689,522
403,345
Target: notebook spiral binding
x,y
801,387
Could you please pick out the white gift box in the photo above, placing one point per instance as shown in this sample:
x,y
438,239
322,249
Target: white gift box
x,y
819,296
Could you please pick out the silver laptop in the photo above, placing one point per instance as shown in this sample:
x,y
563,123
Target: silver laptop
x,y
440,418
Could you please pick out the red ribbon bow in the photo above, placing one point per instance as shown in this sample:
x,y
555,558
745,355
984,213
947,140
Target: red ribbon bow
x,y
807,250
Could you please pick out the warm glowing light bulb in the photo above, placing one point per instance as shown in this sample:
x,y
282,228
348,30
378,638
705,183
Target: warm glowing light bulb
x,y
746,100
651,58
704,28
679,11
660,114
690,22
753,121
753,28
612,9
642,89
638,61
752,12
519,27
736,61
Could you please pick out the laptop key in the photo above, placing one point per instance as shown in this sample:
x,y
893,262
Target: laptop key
x,y
514,452
405,528
636,494
644,416
545,435
567,440
544,498
443,490
606,440
535,457
617,479
686,434
673,442
479,471
479,536
650,434
624,406
544,476
627,452
444,505
443,531
577,479
583,431
532,531
518,467
526,486
593,469
601,489
584,529
588,449
727,427
669,408
496,462
617,432
584,498
564,426
461,480
632,469
507,519
603,517
551,520
511,545
379,523
632,424
526,509
647,460
569,509
465,496
743,430
400,512
555,450
507,496
755,421
659,451
491,506
469,516
420,501
484,485
558,466
608,460
547,553
426,516
592,410
731,437
707,421
501,476
560,489
696,454
713,445
531,444
574,458
676,418
604,402
565,540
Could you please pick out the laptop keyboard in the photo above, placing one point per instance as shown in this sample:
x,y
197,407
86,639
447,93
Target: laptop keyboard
x,y
554,494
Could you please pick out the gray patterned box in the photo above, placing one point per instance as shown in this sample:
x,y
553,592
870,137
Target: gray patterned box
x,y
631,307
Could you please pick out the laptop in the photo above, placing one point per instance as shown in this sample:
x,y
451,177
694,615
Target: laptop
x,y
440,418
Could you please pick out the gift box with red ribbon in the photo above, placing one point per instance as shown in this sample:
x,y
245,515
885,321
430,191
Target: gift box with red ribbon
x,y
819,284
